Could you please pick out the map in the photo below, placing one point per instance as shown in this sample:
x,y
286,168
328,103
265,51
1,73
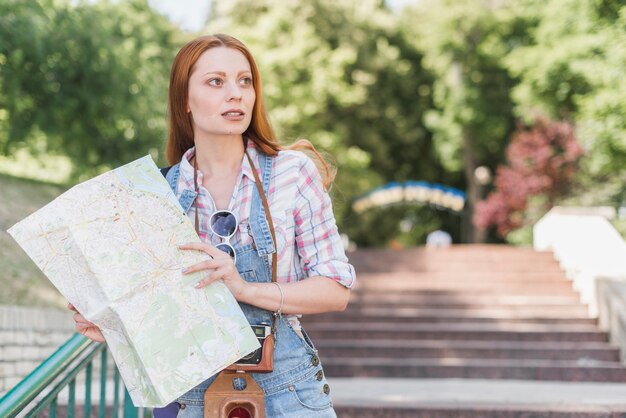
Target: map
x,y
109,245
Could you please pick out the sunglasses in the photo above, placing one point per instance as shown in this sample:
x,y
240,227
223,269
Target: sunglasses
x,y
223,223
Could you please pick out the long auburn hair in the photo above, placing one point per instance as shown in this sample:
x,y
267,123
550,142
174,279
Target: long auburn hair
x,y
260,131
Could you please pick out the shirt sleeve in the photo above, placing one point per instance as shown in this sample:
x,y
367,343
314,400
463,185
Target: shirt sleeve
x,y
317,239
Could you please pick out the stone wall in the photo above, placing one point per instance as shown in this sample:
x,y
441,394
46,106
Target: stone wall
x,y
27,337
611,296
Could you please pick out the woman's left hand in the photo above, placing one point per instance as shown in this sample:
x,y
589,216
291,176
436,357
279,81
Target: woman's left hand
x,y
219,267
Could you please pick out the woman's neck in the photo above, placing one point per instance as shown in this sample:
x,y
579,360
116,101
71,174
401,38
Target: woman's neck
x,y
219,155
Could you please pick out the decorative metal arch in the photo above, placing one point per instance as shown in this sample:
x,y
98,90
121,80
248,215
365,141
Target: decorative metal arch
x,y
437,195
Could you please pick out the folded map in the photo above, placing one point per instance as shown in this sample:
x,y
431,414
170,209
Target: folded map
x,y
110,246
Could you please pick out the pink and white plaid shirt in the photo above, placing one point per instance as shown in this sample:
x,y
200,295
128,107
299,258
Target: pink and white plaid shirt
x,y
307,239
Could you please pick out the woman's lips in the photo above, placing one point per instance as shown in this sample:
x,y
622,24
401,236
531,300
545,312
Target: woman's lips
x,y
234,115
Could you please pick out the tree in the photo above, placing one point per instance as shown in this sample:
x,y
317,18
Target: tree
x,y
86,80
464,44
342,74
573,67
541,162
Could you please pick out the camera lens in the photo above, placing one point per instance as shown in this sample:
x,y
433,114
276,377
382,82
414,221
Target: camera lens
x,y
240,412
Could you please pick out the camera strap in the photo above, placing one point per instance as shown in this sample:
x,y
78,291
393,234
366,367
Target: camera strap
x,y
268,216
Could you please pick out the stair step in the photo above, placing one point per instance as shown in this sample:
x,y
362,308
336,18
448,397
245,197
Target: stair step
x,y
457,285
477,398
536,276
363,293
466,349
421,316
588,370
510,311
471,410
500,313
521,332
358,300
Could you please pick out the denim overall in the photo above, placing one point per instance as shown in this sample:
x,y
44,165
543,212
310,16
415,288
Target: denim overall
x,y
297,387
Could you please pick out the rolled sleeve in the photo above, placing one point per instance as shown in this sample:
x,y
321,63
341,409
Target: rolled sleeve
x,y
318,241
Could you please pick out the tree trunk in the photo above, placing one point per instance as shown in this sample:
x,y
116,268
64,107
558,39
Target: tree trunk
x,y
472,193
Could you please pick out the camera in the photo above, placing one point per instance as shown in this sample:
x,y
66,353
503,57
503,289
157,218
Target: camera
x,y
261,331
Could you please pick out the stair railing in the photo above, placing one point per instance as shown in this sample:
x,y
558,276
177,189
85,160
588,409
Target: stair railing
x,y
40,389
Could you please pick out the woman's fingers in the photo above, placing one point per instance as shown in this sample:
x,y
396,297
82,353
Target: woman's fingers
x,y
200,246
219,267
203,265
87,328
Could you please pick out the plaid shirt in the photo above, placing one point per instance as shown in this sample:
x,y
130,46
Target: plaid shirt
x,y
307,239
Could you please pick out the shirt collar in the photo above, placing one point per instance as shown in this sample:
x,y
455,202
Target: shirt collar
x,y
245,164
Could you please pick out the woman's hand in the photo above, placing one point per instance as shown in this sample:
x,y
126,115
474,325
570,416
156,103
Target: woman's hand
x,y
219,267
86,328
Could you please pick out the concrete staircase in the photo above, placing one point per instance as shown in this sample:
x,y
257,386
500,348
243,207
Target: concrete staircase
x,y
469,317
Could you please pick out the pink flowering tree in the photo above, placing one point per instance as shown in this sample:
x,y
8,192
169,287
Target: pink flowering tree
x,y
541,162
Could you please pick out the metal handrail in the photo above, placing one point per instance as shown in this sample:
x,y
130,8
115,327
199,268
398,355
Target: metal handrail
x,y
60,368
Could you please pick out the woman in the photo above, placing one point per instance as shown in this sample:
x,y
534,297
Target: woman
x,y
219,135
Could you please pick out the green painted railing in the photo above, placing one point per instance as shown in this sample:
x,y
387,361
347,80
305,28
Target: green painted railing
x,y
39,391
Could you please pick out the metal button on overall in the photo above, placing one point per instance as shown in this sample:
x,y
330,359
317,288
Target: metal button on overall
x,y
315,361
319,375
326,389
183,406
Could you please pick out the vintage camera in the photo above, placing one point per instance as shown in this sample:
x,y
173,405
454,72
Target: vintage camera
x,y
261,331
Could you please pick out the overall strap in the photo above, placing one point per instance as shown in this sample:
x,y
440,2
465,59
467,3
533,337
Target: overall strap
x,y
261,231
187,197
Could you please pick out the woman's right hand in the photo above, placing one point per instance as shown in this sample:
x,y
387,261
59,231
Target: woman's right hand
x,y
86,328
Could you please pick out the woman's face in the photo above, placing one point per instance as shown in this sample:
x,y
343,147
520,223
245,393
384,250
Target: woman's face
x,y
221,93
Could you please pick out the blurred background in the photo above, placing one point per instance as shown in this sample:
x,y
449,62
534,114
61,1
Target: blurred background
x,y
506,106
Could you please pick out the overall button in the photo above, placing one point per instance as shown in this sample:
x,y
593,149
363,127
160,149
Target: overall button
x,y
183,406
326,389
319,375
315,361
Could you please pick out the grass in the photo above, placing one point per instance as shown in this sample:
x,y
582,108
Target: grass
x,y
21,282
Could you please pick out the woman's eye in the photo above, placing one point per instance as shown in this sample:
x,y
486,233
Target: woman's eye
x,y
215,82
246,81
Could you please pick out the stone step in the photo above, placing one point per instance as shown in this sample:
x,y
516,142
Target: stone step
x,y
407,316
381,260
469,276
570,371
480,332
364,300
425,349
461,398
521,313
479,309
460,285
470,410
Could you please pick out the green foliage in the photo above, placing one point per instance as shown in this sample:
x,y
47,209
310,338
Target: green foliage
x,y
574,67
464,43
86,80
342,74
428,94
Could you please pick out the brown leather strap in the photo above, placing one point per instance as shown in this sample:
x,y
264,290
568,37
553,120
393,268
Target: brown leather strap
x,y
268,216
